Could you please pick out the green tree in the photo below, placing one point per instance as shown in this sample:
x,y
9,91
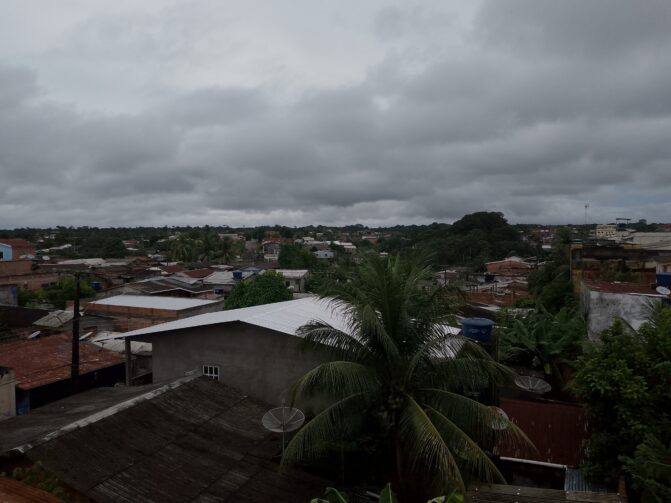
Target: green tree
x,y
182,249
397,373
650,470
295,257
624,382
264,289
542,340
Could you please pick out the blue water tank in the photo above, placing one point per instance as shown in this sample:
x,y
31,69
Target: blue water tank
x,y
96,285
664,279
477,329
218,291
237,275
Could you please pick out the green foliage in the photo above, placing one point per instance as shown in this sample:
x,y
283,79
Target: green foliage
x,y
263,289
551,285
542,340
57,295
650,470
386,496
38,476
296,257
396,374
624,382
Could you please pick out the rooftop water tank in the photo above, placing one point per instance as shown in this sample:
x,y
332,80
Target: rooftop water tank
x,y
477,329
237,275
664,279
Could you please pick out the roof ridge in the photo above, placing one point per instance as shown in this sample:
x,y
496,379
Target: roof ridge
x,y
109,411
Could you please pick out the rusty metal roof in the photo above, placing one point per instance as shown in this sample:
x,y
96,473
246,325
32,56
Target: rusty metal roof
x,y
13,491
43,361
620,287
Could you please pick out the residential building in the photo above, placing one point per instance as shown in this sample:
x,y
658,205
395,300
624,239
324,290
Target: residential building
x,y
603,302
15,249
511,266
324,254
294,279
255,349
137,311
606,231
42,369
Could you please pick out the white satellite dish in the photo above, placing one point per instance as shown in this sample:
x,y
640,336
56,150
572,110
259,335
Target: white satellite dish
x,y
283,420
500,421
532,384
662,290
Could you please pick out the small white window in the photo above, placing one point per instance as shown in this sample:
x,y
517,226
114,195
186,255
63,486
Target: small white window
x,y
211,371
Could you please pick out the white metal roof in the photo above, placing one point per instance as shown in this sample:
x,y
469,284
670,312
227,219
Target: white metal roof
x,y
292,273
152,302
283,317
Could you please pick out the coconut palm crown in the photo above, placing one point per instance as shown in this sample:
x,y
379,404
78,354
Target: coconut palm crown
x,y
397,367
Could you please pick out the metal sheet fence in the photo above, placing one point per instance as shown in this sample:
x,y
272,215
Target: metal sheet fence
x,y
558,430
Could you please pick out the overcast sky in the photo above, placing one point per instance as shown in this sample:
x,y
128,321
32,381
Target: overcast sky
x,y
297,112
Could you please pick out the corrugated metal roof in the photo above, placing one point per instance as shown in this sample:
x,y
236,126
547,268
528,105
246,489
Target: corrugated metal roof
x,y
42,361
152,302
285,317
199,441
55,319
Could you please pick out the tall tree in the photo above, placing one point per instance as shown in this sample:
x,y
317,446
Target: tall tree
x,y
395,370
264,289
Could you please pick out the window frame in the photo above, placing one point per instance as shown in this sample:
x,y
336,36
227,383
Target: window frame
x,y
211,371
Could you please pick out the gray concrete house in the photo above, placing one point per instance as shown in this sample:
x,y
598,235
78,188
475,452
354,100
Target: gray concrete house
x,y
254,349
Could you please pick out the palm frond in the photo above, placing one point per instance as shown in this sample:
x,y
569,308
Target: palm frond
x,y
425,447
336,379
339,344
465,447
329,426
476,419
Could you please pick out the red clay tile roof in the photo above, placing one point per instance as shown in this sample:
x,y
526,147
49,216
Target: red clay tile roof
x,y
43,361
619,287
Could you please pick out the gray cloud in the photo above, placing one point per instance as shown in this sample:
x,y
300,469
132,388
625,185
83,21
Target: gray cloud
x,y
243,117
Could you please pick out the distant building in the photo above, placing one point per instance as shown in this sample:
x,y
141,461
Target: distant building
x,y
15,249
511,266
138,311
294,279
42,369
603,302
606,231
324,254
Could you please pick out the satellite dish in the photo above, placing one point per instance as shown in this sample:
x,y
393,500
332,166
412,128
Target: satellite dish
x,y
532,384
283,420
500,421
662,290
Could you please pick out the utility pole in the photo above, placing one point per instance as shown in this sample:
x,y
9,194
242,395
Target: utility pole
x,y
74,371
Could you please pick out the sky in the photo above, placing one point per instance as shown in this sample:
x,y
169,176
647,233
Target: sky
x,y
126,113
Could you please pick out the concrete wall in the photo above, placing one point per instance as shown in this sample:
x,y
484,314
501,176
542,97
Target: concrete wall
x,y
260,362
603,308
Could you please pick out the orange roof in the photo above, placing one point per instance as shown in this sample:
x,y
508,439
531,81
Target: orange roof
x,y
13,491
16,243
43,361
198,273
619,287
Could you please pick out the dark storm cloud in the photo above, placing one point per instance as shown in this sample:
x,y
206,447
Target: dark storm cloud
x,y
527,107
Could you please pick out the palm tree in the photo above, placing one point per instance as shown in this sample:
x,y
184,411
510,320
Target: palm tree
x,y
396,370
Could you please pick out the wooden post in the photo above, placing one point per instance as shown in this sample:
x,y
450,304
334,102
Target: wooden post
x,y
128,361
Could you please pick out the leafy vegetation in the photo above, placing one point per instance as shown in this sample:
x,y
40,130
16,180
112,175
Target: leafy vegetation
x,y
37,476
551,284
57,295
386,496
263,289
650,470
624,382
296,257
542,340
396,374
